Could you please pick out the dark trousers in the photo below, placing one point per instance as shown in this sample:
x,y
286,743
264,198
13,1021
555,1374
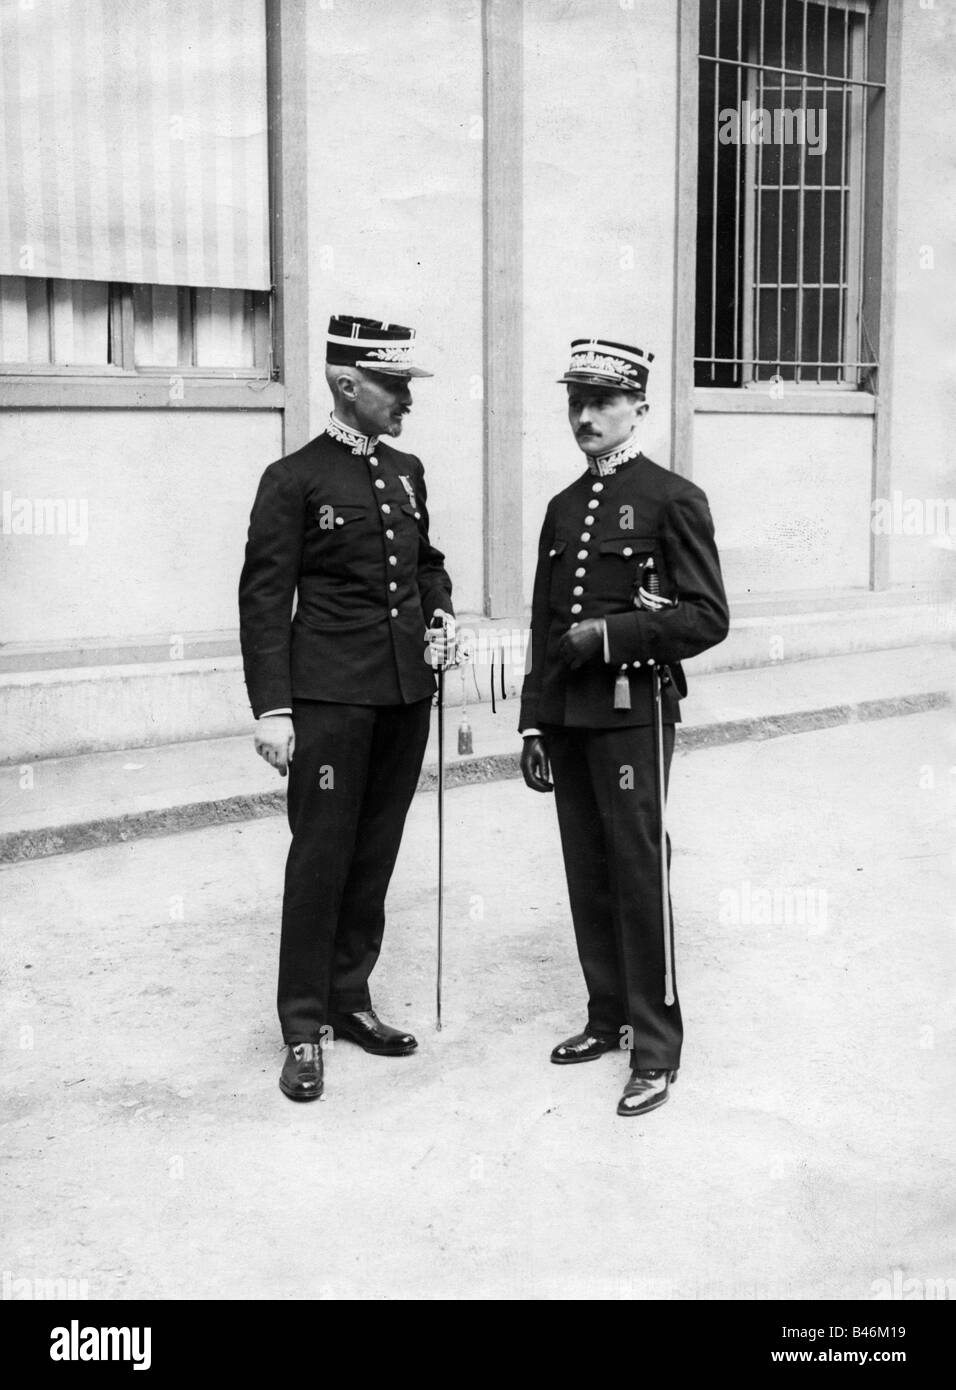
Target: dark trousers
x,y
351,782
605,784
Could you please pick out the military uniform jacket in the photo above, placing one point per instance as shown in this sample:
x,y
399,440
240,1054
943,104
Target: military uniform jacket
x,y
597,535
347,535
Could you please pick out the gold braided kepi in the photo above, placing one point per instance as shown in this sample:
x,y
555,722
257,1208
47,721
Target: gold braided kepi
x,y
616,366
373,344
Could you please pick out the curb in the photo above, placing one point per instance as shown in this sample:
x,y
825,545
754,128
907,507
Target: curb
x,y
19,846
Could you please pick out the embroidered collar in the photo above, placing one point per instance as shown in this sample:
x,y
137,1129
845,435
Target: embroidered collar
x,y
603,464
358,443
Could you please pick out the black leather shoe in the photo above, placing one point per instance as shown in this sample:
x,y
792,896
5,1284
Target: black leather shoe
x,y
370,1033
583,1047
645,1091
301,1077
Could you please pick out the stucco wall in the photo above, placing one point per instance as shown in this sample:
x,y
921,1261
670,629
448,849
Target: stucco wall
x,y
790,497
166,497
395,218
924,341
395,207
599,208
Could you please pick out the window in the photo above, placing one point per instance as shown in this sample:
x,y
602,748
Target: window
x,y
48,324
134,235
788,192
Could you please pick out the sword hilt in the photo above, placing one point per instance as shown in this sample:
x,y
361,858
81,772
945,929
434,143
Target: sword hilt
x,y
652,583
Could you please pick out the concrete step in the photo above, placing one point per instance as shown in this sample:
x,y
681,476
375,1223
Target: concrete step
x,y
58,805
145,693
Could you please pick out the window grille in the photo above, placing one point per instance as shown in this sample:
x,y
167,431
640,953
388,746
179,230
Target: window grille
x,y
788,92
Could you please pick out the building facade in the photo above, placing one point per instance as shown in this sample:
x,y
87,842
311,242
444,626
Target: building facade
x,y
759,192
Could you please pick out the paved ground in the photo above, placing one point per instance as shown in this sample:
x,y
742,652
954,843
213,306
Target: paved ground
x,y
806,1151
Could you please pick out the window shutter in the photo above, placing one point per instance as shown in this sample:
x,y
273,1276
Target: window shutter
x,y
133,142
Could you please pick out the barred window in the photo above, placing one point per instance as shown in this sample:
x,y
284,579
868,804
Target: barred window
x,y
789,186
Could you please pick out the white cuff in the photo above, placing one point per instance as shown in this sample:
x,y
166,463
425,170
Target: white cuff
x,y
267,712
531,733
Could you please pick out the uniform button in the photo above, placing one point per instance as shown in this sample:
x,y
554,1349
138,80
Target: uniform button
x,y
574,624
386,508
394,612
551,554
379,482
597,487
579,574
636,665
585,538
392,560
650,661
577,591
418,516
582,554
593,503
627,550
393,586
589,521
373,460
575,608
389,535
339,521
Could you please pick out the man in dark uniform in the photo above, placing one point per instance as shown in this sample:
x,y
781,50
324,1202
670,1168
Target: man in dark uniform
x,y
342,691
601,630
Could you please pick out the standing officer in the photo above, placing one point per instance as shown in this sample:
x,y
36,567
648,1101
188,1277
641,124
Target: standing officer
x,y
341,691
599,627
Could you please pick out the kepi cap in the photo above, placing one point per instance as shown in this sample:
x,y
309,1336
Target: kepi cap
x,y
372,344
615,366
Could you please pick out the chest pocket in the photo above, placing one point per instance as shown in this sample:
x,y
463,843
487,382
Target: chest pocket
x,y
334,517
621,565
638,548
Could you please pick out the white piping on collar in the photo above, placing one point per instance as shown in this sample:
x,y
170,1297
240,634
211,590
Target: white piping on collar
x,y
604,464
359,443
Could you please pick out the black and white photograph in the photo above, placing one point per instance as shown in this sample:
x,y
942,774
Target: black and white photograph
x,y
477,577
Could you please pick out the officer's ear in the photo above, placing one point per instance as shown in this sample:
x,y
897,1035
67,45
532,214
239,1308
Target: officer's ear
x,y
340,380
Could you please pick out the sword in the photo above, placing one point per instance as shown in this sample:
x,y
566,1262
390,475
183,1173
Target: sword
x,y
659,679
441,841
440,672
661,800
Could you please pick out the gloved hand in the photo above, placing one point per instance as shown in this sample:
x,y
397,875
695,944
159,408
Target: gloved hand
x,y
441,651
580,643
535,768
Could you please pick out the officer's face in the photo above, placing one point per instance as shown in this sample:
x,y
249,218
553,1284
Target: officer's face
x,y
601,419
381,402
